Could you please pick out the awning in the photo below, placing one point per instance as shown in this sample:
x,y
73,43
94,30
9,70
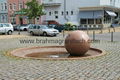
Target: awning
x,y
91,14
110,13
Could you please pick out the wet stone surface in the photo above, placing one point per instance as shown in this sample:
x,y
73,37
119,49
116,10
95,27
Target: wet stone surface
x,y
102,68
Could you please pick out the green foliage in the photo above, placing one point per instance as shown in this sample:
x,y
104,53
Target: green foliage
x,y
68,27
34,9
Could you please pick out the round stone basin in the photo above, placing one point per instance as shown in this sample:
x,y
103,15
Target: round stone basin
x,y
52,52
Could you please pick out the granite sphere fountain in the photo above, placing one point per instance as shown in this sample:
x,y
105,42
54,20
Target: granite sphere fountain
x,y
77,43
77,46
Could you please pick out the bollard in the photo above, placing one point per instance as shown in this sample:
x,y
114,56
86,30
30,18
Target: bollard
x,y
87,31
114,29
93,35
101,31
109,30
19,31
63,33
111,36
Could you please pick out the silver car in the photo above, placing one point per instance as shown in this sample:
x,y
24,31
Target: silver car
x,y
42,30
6,28
23,27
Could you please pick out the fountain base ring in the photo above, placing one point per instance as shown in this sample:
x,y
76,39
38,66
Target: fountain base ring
x,y
53,52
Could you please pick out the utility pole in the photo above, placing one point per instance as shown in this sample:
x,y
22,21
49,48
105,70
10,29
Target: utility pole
x,y
65,10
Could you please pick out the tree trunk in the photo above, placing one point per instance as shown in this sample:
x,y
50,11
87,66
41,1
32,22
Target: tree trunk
x,y
34,20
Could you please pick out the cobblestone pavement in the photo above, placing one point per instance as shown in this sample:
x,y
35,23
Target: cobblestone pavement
x,y
102,68
107,36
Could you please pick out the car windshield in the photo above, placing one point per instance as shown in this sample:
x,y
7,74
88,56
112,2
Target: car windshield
x,y
23,25
52,25
7,25
1,25
45,27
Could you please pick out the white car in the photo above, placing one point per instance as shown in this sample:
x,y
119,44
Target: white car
x,y
23,27
6,28
42,30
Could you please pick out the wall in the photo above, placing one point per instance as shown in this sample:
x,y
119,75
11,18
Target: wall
x,y
105,2
3,12
71,5
115,3
74,5
11,12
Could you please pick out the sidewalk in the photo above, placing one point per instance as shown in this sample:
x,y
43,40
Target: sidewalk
x,y
107,30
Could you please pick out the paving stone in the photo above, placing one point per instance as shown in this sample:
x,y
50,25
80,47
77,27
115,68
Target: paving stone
x,y
101,68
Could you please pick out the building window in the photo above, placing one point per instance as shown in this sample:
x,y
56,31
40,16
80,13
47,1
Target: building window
x,y
90,26
67,13
62,13
98,21
6,17
90,21
10,6
94,26
2,6
83,21
71,12
20,6
13,20
50,0
56,12
5,6
37,19
112,2
50,13
14,6
56,17
3,18
0,18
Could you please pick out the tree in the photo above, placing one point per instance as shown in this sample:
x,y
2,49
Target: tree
x,y
33,10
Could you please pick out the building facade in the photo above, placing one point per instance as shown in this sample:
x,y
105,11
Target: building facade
x,y
13,7
3,11
82,12
16,17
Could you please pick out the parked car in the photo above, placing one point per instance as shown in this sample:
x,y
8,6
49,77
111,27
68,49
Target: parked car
x,y
60,28
15,27
42,30
23,27
52,25
6,28
115,25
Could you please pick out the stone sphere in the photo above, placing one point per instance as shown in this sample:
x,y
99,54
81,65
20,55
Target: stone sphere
x,y
77,43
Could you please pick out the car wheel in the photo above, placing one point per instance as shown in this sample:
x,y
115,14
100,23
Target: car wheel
x,y
55,35
25,29
9,32
44,34
31,33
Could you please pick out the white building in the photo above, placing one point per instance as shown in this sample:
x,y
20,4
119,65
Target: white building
x,y
86,13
